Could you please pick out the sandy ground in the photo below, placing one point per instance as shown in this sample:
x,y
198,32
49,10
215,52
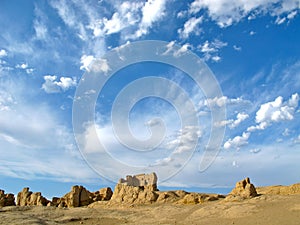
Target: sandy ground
x,y
264,209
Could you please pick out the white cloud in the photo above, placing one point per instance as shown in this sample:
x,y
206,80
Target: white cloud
x,y
182,50
234,123
185,139
239,118
274,112
86,61
152,11
51,85
189,27
3,53
292,15
227,12
90,63
216,58
237,141
277,110
210,49
22,66
280,20
127,15
40,30
67,13
224,100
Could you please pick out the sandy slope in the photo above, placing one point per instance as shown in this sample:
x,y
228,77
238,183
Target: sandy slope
x,y
264,209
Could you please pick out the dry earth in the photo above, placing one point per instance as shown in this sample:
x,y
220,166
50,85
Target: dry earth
x,y
271,209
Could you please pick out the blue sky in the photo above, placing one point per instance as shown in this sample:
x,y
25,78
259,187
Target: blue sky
x,y
46,47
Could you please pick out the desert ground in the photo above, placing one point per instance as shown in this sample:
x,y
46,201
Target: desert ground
x,y
271,209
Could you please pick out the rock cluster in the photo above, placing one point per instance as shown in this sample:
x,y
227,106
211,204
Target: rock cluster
x,y
135,190
80,196
243,189
27,198
6,199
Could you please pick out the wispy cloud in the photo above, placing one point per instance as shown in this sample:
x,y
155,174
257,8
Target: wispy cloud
x,y
190,26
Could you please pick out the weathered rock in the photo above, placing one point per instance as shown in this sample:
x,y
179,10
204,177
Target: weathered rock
x,y
243,189
104,194
131,194
170,196
136,189
197,198
27,198
80,196
6,199
280,190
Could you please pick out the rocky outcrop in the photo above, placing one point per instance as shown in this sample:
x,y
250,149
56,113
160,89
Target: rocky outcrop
x,y
197,198
104,194
6,199
170,196
243,189
27,198
280,190
136,189
132,194
80,196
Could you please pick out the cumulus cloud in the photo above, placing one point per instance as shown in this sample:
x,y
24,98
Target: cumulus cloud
x,y
185,139
132,19
3,53
210,49
275,111
227,12
190,27
90,63
152,11
127,15
51,85
237,141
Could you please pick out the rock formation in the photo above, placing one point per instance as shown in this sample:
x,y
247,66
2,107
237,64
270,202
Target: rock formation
x,y
27,198
6,199
80,196
136,189
280,190
243,189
